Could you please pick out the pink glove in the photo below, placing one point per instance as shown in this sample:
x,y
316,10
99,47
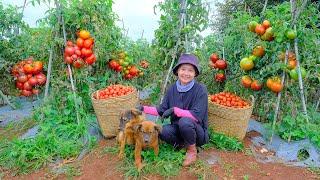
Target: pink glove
x,y
150,110
183,113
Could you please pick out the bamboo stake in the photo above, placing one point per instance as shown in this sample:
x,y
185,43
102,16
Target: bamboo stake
x,y
279,94
49,72
223,54
295,15
303,101
183,6
61,21
264,6
317,105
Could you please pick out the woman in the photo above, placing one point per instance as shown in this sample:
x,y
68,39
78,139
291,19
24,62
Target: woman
x,y
186,103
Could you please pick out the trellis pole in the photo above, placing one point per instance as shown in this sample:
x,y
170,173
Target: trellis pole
x,y
61,22
275,117
183,7
49,72
294,15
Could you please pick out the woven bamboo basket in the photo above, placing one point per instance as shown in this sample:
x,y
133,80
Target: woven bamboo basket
x,y
229,121
108,111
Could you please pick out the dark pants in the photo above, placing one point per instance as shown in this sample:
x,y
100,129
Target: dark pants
x,y
183,132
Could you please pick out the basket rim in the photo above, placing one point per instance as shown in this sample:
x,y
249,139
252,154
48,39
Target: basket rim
x,y
111,98
232,108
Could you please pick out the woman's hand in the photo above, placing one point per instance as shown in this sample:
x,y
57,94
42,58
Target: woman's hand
x,y
168,113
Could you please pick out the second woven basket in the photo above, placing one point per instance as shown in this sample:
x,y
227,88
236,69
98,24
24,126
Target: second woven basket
x,y
108,111
230,121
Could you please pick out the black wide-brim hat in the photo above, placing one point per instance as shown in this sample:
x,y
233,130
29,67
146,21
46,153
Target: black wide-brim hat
x,y
187,59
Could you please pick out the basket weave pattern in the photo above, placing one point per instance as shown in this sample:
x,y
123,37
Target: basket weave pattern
x,y
108,111
229,121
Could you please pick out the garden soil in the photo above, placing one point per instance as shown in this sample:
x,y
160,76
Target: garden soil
x,y
229,165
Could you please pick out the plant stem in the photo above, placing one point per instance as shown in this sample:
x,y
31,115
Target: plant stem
x,y
6,100
61,21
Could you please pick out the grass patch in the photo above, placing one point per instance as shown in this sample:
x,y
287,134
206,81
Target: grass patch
x,y
59,137
314,170
223,142
167,164
16,129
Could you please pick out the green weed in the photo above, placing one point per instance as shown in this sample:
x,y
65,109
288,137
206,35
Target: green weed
x,y
223,142
202,170
16,129
59,136
167,163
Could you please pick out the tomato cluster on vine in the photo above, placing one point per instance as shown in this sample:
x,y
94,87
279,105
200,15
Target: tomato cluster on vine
x,y
80,53
29,76
123,64
216,63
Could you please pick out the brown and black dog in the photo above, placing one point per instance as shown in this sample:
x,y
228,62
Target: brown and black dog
x,y
135,130
146,135
129,119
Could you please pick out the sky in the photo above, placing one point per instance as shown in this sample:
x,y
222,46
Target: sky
x,y
136,20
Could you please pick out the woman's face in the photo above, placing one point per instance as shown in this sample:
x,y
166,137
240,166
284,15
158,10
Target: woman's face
x,y
186,73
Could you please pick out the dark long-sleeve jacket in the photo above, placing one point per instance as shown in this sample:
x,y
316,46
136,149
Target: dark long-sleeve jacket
x,y
195,100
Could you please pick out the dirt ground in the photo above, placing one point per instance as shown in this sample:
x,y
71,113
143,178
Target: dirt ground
x,y
231,165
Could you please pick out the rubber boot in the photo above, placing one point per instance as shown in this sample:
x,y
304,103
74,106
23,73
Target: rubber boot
x,y
191,155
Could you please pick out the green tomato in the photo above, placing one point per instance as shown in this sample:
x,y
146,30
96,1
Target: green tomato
x,y
252,26
294,73
291,34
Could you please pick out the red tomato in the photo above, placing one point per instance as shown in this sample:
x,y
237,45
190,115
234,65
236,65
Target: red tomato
x,y
69,51
68,60
86,52
19,85
35,91
28,68
87,43
221,64
69,43
41,78
91,59
37,67
80,42
78,63
214,57
27,86
33,81
23,78
26,93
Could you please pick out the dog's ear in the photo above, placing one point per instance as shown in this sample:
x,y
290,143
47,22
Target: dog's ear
x,y
137,128
136,112
158,128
